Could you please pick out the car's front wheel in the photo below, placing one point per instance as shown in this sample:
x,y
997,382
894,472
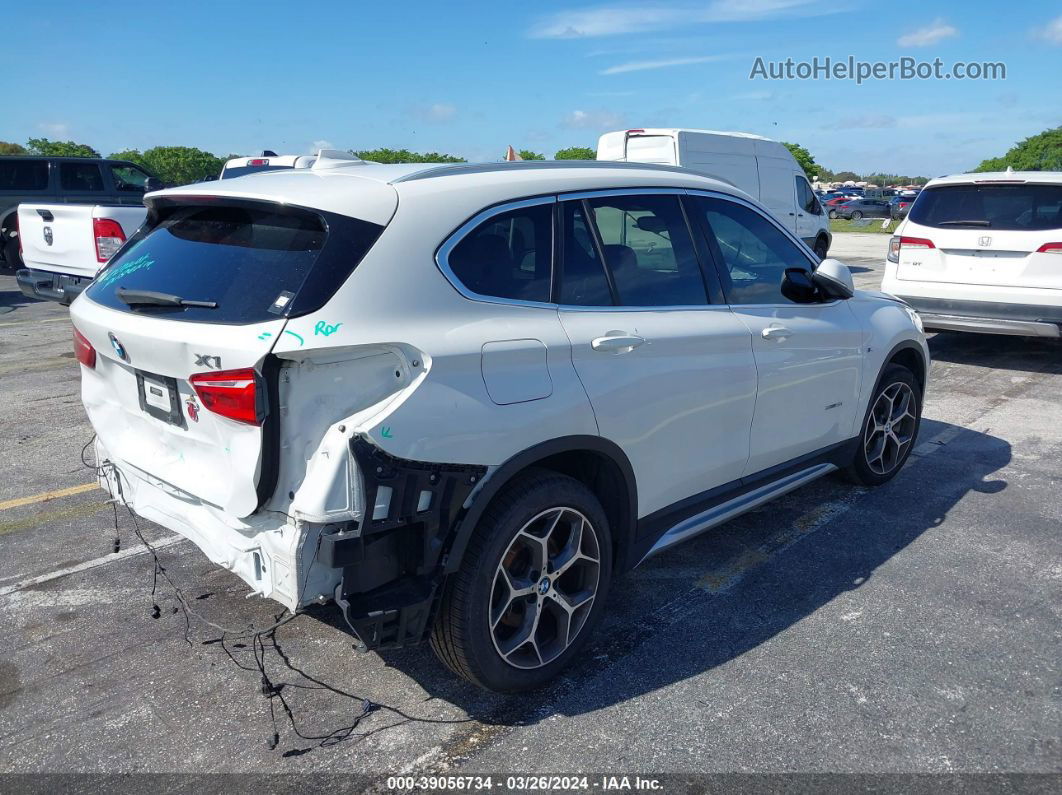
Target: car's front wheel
x,y
832,213
889,428
531,586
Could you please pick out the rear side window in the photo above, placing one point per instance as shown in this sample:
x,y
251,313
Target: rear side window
x,y
23,175
257,261
508,256
648,249
80,177
583,281
1009,207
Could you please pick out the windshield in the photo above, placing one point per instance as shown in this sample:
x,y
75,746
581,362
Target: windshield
x,y
241,262
1007,207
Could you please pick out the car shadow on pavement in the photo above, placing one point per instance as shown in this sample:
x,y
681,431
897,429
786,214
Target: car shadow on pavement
x,y
12,299
1031,354
712,600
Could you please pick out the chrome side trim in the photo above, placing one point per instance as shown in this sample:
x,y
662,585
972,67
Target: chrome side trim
x,y
695,525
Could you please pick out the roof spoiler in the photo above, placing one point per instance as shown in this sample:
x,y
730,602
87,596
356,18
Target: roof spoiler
x,y
334,158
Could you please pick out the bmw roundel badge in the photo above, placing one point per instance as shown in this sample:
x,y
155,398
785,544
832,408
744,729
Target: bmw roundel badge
x,y
118,347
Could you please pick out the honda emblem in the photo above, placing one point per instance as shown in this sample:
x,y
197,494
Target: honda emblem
x,y
984,241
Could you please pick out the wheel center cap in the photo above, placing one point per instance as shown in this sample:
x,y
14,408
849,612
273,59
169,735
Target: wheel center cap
x,y
888,427
544,586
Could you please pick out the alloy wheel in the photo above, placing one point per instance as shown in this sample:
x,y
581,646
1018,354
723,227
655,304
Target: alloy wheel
x,y
890,428
544,588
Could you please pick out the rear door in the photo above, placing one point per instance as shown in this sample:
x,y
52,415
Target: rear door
x,y
670,375
81,182
808,356
985,234
254,264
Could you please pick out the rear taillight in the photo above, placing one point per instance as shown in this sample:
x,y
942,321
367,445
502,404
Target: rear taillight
x,y
230,393
897,243
84,351
1050,248
109,237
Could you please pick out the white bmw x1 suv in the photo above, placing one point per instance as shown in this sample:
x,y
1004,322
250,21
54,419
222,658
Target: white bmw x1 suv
x,y
459,400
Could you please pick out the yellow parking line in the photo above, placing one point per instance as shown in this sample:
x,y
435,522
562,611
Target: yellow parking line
x,y
48,495
35,322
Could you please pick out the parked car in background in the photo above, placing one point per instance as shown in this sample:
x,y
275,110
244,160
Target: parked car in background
x,y
764,169
983,253
899,206
861,208
64,180
65,245
481,476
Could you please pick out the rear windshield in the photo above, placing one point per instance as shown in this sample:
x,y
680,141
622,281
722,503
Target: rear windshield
x,y
240,171
1012,207
257,261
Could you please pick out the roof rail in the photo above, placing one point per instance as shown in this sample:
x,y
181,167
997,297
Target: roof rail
x,y
334,158
444,169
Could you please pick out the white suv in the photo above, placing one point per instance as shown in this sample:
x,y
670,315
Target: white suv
x,y
459,400
983,252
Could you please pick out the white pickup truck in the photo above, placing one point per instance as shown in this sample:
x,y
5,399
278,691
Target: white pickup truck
x,y
64,245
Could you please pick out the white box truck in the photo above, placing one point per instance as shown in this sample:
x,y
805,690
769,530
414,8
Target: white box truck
x,y
763,168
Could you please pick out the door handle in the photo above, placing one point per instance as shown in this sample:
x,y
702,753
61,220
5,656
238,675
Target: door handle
x,y
775,333
617,342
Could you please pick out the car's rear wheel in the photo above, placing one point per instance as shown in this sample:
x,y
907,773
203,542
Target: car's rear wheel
x,y
531,586
889,428
856,215
12,259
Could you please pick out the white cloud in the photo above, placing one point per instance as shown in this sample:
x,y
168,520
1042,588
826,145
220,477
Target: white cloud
x,y
754,96
593,120
611,20
436,112
937,30
321,144
56,129
663,63
1051,32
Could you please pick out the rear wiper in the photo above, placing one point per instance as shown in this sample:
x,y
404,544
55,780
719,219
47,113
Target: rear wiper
x,y
152,298
964,223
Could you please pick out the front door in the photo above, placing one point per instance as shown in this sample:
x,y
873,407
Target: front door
x,y
807,355
671,377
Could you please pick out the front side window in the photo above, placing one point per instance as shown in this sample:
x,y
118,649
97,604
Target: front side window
x,y
508,256
80,177
648,250
23,174
806,196
129,179
754,252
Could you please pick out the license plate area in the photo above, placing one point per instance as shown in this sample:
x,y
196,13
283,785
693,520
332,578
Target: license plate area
x,y
159,397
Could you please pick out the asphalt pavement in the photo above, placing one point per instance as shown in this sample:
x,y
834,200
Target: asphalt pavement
x,y
912,628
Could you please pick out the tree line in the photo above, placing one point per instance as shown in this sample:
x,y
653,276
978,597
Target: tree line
x,y
181,165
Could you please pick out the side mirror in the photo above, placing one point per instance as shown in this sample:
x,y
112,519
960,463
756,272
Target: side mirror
x,y
152,183
834,279
798,287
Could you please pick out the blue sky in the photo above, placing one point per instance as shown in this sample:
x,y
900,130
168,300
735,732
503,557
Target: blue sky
x,y
469,78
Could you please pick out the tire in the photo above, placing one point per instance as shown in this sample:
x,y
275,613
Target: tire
x,y
485,630
832,213
887,436
821,248
856,215
12,259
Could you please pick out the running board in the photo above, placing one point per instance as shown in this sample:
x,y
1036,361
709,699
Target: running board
x,y
724,512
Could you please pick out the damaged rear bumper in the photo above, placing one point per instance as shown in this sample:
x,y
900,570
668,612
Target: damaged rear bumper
x,y
383,568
